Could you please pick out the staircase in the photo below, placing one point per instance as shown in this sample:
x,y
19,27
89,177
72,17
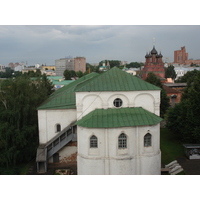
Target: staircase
x,y
45,151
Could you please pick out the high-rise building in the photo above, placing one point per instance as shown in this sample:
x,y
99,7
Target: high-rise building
x,y
180,56
69,63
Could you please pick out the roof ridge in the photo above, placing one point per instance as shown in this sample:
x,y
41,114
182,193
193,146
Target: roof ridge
x,y
115,80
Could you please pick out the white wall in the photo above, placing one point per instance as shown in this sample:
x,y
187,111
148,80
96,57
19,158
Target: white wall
x,y
89,101
108,159
47,120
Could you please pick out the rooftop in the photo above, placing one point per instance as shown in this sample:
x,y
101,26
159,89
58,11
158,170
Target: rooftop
x,y
115,80
64,98
119,117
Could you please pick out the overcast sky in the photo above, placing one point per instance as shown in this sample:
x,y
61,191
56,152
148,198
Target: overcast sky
x,y
44,44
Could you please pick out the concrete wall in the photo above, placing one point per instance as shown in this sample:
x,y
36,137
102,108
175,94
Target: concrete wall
x,y
108,159
87,102
63,64
48,119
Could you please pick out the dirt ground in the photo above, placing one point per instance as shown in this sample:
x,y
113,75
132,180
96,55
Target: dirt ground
x,y
52,167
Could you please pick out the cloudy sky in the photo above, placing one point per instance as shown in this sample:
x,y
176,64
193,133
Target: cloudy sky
x,y
46,43
94,31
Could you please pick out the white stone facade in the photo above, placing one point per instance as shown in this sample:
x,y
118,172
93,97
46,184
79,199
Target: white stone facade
x,y
87,102
107,159
48,119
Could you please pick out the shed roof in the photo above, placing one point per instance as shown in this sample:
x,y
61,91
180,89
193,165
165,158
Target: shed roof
x,y
119,117
115,80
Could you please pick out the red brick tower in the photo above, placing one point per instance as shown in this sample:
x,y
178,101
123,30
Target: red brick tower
x,y
153,64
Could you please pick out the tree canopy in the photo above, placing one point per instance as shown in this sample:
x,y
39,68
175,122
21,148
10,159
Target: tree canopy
x,y
19,99
112,63
170,72
183,120
134,65
164,104
188,77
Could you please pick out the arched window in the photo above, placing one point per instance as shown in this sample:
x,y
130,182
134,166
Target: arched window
x,y
147,140
93,142
58,127
117,102
122,141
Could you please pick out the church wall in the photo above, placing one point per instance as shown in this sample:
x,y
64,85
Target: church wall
x,y
48,119
149,100
108,159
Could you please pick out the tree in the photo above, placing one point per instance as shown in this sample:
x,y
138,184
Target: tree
x,y
19,99
69,74
112,63
79,74
7,74
188,77
164,104
170,72
187,113
134,65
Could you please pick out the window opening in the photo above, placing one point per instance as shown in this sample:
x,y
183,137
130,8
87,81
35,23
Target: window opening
x,y
122,141
93,142
147,140
117,102
58,128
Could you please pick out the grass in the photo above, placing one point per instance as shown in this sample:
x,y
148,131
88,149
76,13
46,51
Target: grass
x,y
170,147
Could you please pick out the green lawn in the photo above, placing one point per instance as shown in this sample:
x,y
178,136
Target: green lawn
x,y
170,147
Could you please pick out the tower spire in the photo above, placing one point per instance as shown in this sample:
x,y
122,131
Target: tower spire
x,y
154,41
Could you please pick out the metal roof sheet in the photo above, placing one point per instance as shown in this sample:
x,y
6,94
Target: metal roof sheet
x,y
116,80
64,98
119,117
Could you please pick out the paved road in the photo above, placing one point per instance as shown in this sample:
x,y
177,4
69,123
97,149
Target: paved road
x,y
191,167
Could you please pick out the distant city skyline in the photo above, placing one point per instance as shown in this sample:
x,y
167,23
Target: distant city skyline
x,y
43,44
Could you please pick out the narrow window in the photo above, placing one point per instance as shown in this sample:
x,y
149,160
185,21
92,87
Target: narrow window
x,y
117,102
122,141
147,140
93,142
58,127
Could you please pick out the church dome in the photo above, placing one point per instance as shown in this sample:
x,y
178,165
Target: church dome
x,y
153,51
160,55
147,55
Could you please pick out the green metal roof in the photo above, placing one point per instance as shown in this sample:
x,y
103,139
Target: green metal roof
x,y
119,117
64,98
116,80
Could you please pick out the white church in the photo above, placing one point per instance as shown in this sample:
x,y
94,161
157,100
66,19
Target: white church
x,y
110,122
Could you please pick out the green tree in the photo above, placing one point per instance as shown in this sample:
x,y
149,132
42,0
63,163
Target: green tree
x,y
134,65
69,74
170,72
112,63
164,104
79,74
19,99
7,74
183,120
188,77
